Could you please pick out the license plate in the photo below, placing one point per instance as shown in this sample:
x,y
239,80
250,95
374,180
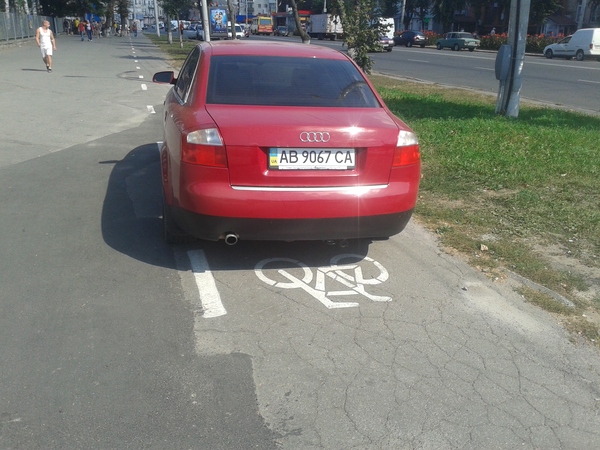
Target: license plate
x,y
312,158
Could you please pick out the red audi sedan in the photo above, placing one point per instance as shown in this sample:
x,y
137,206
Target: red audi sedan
x,y
282,141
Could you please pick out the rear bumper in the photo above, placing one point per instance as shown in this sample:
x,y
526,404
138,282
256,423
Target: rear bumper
x,y
206,206
214,228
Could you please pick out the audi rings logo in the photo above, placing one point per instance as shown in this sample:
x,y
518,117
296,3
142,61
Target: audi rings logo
x,y
315,136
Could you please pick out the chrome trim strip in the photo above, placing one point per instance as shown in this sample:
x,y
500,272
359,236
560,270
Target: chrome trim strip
x,y
349,189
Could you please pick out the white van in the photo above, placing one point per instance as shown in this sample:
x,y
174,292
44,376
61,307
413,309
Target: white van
x,y
584,43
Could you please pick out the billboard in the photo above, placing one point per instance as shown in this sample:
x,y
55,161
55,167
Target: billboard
x,y
218,22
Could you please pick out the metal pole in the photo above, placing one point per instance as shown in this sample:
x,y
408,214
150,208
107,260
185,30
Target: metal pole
x,y
205,22
156,18
519,41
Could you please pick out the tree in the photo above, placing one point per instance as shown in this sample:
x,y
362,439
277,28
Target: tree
x,y
61,8
301,31
361,29
173,8
541,10
444,10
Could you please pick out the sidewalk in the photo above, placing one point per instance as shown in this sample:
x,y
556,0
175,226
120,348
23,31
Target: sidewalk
x,y
106,82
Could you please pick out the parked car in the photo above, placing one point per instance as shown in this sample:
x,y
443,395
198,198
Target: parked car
x,y
281,31
410,38
191,31
281,141
457,41
584,43
239,31
384,44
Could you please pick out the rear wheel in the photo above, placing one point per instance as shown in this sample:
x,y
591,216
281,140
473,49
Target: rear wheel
x,y
456,47
579,56
408,43
172,234
438,46
549,54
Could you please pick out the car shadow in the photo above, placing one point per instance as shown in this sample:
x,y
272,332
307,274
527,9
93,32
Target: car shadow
x,y
132,224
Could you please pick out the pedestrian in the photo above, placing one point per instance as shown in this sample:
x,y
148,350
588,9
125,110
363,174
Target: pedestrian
x,y
81,30
88,30
66,26
45,41
493,32
134,29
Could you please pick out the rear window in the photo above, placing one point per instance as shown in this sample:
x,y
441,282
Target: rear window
x,y
287,81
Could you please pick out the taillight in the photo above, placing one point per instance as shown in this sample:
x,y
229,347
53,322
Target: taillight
x,y
204,147
407,150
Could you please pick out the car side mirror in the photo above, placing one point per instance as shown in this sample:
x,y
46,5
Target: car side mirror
x,y
167,77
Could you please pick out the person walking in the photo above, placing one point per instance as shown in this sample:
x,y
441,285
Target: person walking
x,y
88,29
81,28
45,41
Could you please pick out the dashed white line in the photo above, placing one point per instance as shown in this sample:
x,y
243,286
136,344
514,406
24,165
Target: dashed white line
x,y
141,76
589,81
144,87
150,109
137,67
209,295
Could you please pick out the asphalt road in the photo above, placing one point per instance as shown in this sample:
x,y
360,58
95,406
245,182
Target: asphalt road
x,y
557,82
112,339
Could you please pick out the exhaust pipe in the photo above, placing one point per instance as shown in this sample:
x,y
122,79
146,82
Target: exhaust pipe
x,y
231,238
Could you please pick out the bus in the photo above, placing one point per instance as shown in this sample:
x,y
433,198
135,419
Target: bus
x,y
262,25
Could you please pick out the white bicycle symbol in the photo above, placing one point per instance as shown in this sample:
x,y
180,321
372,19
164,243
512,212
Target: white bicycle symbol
x,y
354,281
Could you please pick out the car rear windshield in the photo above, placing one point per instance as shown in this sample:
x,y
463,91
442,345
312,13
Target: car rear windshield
x,y
287,81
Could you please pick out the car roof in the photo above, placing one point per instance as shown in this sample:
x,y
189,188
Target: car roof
x,y
267,48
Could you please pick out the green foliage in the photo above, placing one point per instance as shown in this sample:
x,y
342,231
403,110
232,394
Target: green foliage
x,y
534,178
61,8
361,30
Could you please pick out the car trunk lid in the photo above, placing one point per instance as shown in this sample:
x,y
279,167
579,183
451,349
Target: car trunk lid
x,y
253,134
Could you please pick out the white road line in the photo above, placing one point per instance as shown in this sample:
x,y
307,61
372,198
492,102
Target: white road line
x,y
418,60
484,68
209,295
150,109
144,87
589,81
141,76
135,60
137,67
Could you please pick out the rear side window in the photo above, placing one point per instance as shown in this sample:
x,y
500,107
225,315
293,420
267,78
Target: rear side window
x,y
186,75
287,81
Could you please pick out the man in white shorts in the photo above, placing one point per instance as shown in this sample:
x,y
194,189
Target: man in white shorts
x,y
46,43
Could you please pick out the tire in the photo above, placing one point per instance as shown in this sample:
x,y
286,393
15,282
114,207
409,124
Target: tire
x,y
549,54
579,56
456,47
471,49
172,234
423,46
438,46
408,43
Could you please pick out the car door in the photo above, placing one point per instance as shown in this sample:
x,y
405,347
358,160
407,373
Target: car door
x,y
177,108
563,48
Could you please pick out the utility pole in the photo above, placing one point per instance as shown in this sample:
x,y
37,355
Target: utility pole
x,y
581,14
156,18
510,90
402,15
205,21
